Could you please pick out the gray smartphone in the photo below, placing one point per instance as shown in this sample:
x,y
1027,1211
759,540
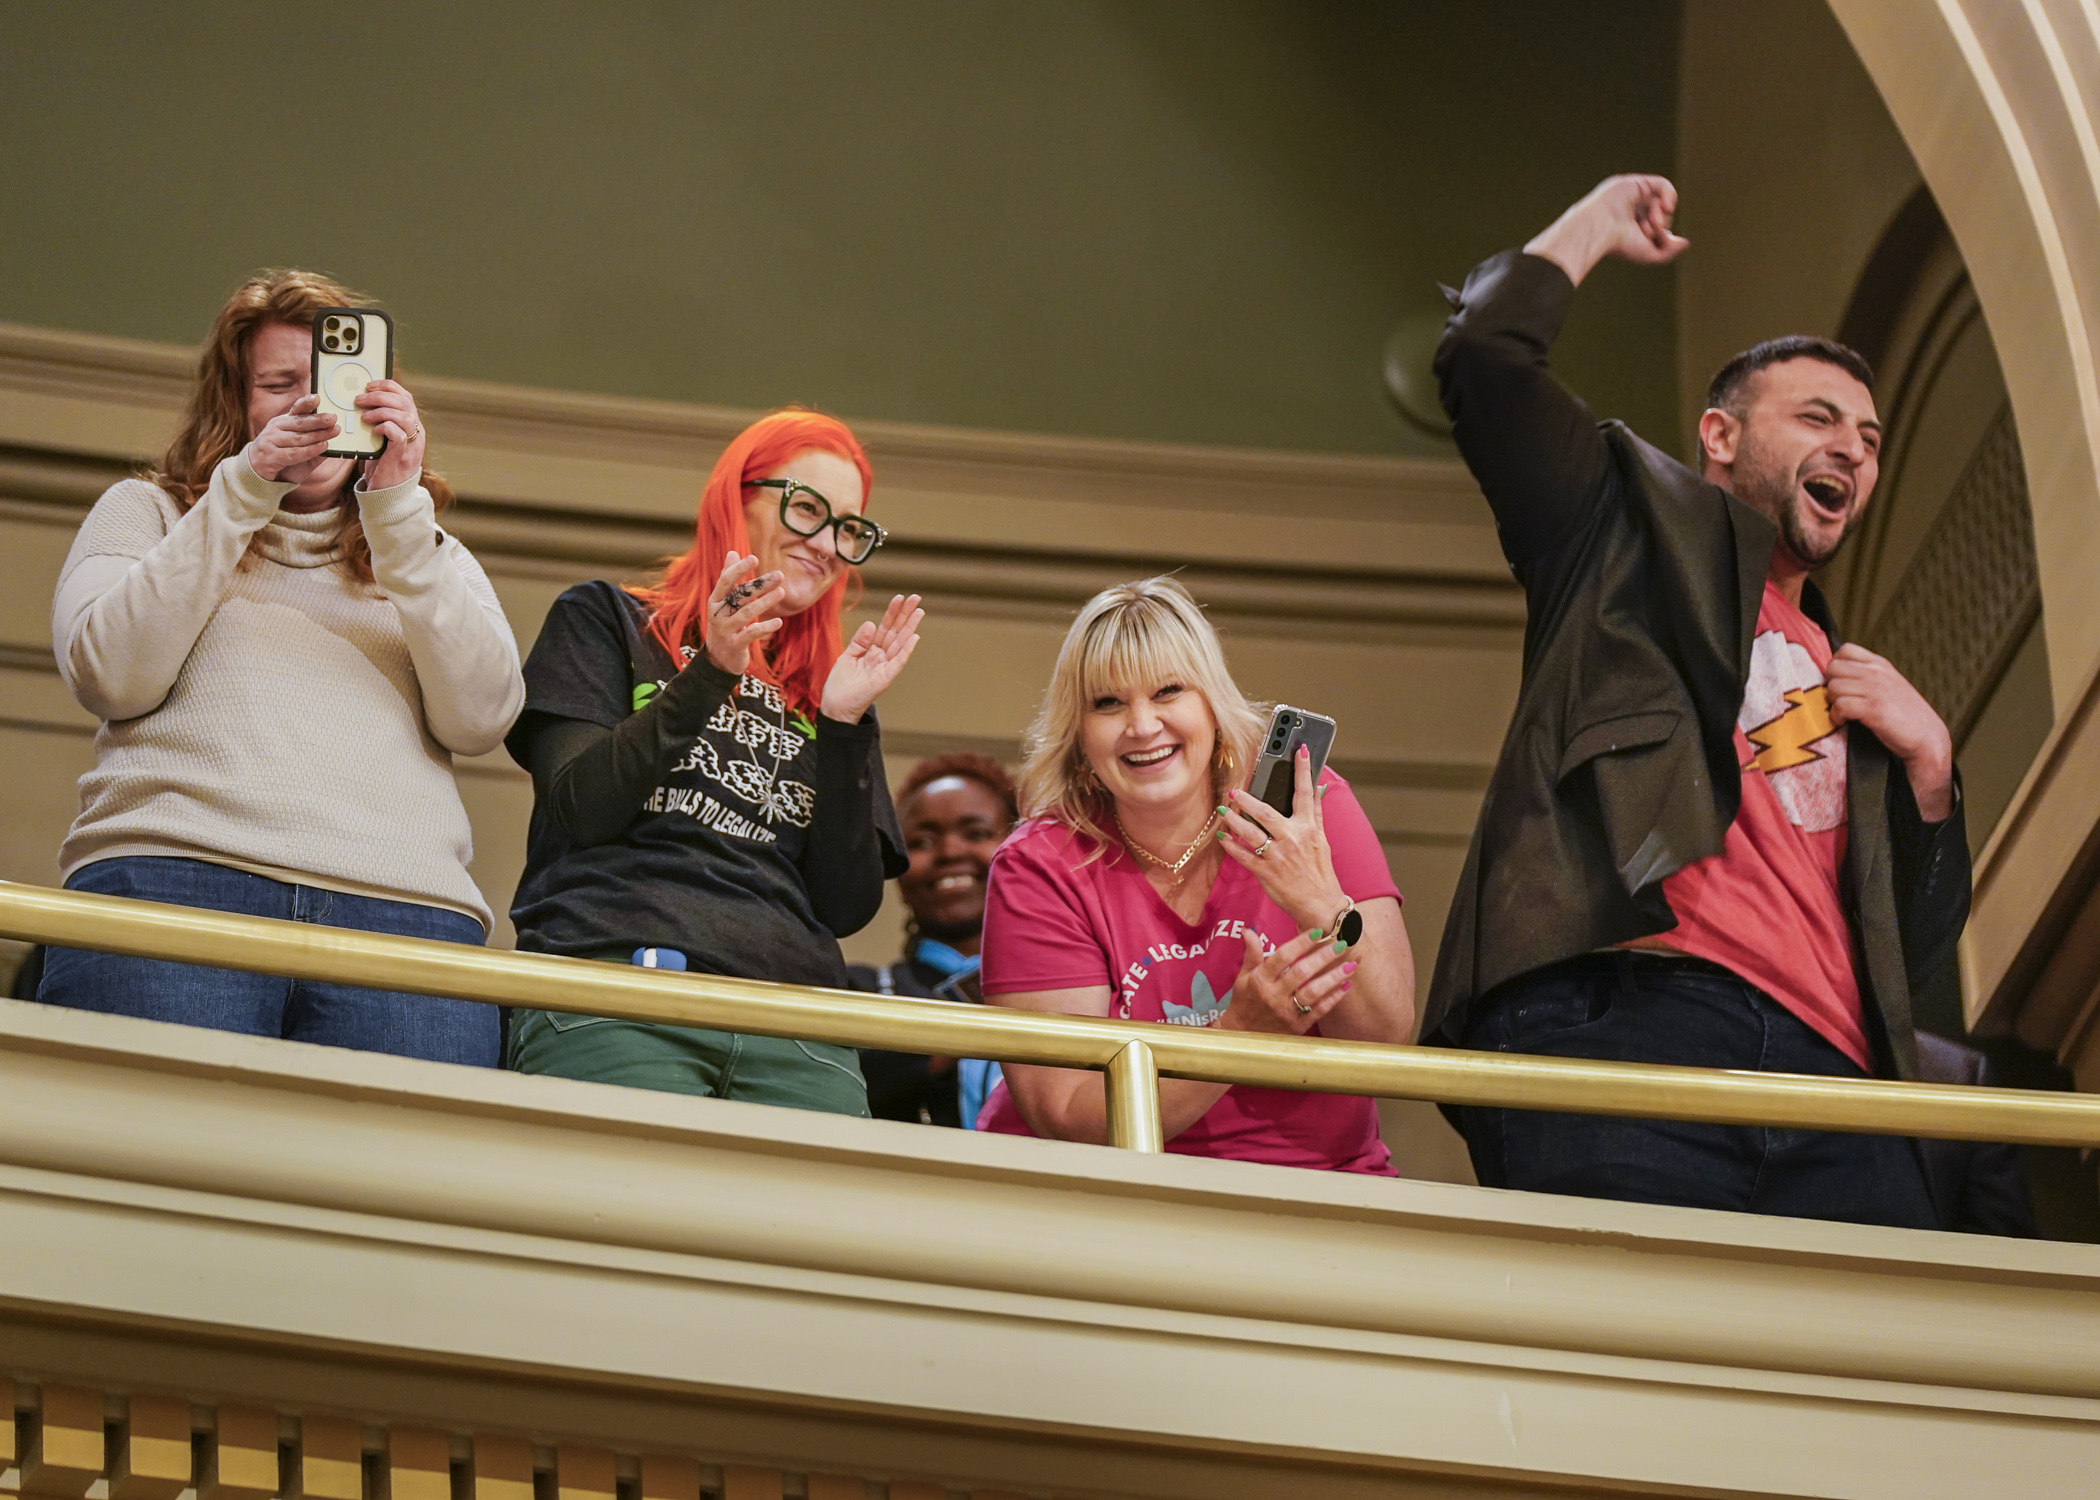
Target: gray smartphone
x,y
1276,767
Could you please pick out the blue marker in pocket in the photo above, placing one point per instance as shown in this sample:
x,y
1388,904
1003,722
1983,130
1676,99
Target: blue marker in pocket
x,y
659,958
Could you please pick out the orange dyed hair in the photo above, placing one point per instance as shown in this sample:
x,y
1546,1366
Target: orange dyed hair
x,y
798,656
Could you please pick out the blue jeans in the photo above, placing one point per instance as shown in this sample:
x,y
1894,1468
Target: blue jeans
x,y
1642,1007
334,1015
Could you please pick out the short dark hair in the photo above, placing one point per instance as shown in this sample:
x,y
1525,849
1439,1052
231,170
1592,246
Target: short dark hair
x,y
969,765
1725,390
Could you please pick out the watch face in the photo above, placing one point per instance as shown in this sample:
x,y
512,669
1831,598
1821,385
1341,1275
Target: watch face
x,y
1351,927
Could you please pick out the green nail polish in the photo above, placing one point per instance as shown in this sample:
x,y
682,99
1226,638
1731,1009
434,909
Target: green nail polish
x,y
1341,947
1221,809
1316,934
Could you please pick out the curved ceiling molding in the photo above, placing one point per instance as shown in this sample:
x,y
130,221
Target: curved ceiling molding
x,y
1997,102
1994,98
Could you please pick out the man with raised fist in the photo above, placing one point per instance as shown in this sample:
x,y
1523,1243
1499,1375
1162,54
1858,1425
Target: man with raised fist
x,y
1717,835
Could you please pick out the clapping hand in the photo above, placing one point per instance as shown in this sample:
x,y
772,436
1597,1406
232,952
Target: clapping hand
x,y
872,660
740,612
1288,991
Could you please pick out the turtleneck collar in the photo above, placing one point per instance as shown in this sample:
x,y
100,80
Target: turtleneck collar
x,y
303,539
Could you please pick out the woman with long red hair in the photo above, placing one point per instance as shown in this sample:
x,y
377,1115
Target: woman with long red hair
x,y
707,772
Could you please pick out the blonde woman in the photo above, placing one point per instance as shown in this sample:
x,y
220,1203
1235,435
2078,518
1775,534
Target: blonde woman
x,y
1148,885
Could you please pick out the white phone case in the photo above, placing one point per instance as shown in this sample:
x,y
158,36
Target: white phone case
x,y
353,346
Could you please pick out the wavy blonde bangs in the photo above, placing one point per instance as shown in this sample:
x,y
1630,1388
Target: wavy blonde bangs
x,y
1148,632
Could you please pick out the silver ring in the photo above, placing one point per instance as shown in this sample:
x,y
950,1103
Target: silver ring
x,y
1303,1008
1263,851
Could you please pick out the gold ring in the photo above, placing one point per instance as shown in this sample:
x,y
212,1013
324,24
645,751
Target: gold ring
x,y
1263,851
1303,1008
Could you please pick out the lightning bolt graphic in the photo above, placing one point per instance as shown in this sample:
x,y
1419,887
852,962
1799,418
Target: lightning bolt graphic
x,y
1783,741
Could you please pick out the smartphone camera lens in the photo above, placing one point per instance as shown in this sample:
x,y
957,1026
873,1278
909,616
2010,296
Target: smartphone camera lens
x,y
330,341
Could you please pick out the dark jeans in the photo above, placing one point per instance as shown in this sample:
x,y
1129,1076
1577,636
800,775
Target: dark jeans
x,y
334,1015
1638,1007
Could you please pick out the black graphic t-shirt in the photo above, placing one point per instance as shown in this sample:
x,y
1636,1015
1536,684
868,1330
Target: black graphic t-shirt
x,y
679,807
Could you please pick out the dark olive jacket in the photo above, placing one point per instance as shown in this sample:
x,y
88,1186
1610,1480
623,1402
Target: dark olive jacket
x,y
1643,584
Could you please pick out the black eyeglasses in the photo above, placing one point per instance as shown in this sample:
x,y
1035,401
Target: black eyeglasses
x,y
805,512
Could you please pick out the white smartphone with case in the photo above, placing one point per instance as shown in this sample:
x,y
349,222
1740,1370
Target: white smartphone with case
x,y
353,346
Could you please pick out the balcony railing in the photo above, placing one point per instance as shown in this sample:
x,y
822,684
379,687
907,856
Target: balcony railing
x,y
1133,1055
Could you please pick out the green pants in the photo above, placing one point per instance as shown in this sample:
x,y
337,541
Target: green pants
x,y
686,1060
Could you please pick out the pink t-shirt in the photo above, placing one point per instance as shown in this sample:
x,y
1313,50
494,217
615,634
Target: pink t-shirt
x,y
1768,905
1053,923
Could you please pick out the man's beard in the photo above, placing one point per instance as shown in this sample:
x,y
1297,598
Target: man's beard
x,y
1776,494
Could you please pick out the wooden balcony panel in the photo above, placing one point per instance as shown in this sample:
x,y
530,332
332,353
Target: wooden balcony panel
x,y
154,1460
834,1487
748,1482
418,1464
642,1273
241,1460
66,1447
666,1476
331,1460
583,1472
503,1470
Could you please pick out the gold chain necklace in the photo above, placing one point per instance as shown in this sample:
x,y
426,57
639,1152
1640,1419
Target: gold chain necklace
x,y
1172,867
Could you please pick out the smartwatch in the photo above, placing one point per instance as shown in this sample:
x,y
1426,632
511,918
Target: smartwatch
x,y
1348,925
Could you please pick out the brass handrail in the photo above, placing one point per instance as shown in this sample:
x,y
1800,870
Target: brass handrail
x,y
1134,1055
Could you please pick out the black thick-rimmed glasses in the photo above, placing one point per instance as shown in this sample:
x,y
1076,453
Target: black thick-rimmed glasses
x,y
805,512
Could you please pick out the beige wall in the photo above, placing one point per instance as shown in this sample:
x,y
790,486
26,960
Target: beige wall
x,y
1181,222
1789,169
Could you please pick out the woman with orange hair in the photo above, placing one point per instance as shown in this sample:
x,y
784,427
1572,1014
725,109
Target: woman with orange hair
x,y
707,773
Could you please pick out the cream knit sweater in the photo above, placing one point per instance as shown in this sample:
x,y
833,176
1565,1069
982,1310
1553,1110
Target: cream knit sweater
x,y
266,710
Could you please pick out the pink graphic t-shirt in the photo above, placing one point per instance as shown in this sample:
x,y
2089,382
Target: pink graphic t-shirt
x,y
1768,905
1053,923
